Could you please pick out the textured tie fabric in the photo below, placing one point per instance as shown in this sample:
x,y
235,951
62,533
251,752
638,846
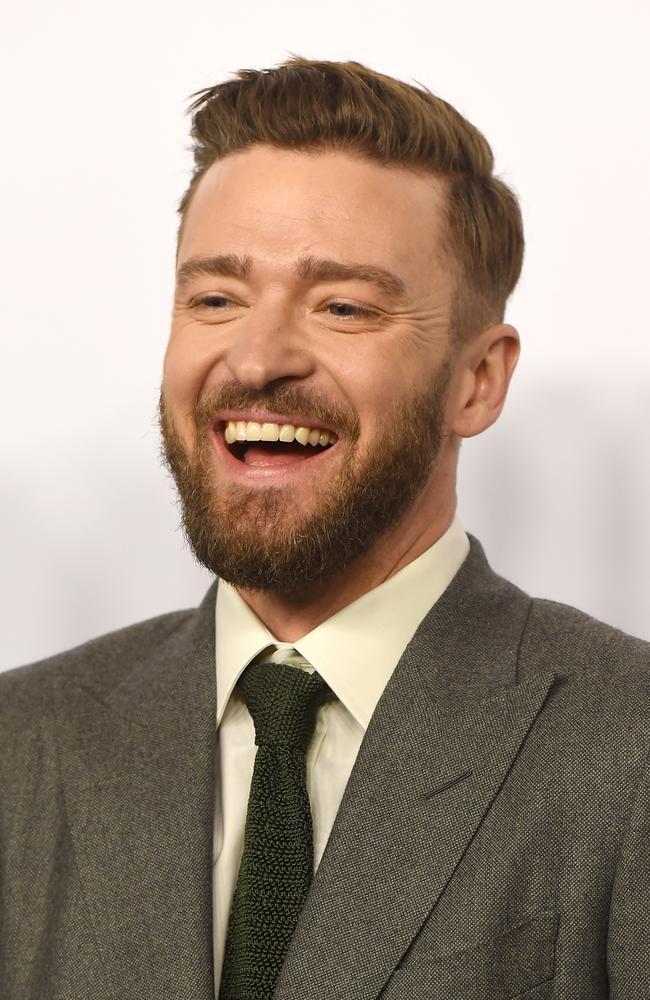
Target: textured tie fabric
x,y
277,861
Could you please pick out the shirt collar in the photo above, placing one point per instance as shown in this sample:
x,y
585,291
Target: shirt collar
x,y
355,650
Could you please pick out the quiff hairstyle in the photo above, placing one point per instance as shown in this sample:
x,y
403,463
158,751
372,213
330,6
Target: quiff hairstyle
x,y
306,104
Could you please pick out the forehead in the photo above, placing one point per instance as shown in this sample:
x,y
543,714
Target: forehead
x,y
330,202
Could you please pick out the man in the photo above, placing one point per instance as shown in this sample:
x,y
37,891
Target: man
x,y
422,783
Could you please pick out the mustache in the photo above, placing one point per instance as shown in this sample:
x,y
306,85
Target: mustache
x,y
280,399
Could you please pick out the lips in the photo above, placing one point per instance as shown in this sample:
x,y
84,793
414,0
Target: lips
x,y
251,460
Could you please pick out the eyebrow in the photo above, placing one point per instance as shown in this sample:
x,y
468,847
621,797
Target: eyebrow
x,y
309,268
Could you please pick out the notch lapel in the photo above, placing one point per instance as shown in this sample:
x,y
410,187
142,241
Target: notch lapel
x,y
137,766
440,743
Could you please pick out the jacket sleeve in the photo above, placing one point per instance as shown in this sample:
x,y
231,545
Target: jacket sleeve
x,y
628,939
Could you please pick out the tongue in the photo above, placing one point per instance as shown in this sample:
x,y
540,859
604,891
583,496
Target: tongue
x,y
285,454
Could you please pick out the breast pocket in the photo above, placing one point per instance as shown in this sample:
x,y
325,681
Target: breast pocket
x,y
518,960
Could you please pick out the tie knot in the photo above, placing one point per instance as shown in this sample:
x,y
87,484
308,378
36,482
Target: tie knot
x,y
283,702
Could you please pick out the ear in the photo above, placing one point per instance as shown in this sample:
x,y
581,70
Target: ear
x,y
485,367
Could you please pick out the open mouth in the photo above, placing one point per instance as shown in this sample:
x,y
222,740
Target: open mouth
x,y
273,451
269,446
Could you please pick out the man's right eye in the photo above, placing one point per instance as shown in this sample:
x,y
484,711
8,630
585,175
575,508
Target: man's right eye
x,y
209,300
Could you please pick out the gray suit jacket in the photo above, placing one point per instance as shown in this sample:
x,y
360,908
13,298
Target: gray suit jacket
x,y
493,840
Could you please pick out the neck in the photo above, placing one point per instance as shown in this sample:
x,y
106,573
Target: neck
x,y
290,618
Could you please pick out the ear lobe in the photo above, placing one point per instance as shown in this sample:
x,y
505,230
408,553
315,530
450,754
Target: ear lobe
x,y
491,360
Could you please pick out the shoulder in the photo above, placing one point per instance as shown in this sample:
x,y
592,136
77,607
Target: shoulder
x,y
582,643
601,674
602,689
100,663
546,634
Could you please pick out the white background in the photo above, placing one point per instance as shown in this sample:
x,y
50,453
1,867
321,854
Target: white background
x,y
95,158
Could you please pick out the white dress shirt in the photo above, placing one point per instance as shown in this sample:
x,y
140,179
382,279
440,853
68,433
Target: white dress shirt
x,y
355,652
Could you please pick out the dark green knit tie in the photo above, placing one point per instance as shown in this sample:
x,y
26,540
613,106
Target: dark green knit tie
x,y
277,861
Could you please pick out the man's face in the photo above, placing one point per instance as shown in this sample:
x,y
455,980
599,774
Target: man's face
x,y
294,346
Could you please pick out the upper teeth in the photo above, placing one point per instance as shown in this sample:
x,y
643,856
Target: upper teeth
x,y
242,430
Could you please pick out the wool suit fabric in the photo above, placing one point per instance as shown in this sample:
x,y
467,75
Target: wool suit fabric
x,y
493,840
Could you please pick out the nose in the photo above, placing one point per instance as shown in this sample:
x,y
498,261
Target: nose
x,y
265,351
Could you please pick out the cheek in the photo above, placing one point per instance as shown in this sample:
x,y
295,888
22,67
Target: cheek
x,y
368,393
376,381
185,367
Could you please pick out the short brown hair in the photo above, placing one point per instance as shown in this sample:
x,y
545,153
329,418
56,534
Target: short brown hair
x,y
309,104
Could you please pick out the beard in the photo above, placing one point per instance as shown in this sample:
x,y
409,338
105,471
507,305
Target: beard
x,y
261,539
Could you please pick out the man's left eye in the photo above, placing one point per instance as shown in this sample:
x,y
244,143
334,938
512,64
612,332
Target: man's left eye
x,y
359,310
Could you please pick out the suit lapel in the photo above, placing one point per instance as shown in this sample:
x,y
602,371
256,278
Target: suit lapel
x,y
137,763
438,748
137,766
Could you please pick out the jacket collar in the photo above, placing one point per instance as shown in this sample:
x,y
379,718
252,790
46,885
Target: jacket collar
x,y
136,731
